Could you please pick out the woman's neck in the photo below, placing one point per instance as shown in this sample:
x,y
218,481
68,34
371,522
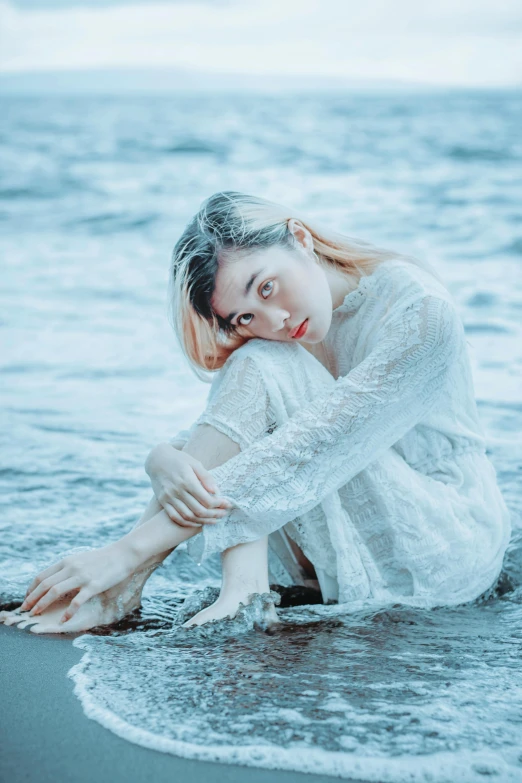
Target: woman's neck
x,y
341,283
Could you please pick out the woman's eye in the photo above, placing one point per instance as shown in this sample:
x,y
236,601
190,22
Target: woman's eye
x,y
270,282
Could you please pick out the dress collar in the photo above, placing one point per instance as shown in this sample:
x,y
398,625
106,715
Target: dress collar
x,y
354,299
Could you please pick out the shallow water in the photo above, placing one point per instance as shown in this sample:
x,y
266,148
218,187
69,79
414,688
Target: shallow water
x,y
93,196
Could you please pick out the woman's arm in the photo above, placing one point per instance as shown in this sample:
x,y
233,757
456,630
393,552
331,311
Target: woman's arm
x,y
324,445
98,570
155,536
183,486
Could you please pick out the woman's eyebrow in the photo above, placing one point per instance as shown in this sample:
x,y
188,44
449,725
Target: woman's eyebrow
x,y
247,289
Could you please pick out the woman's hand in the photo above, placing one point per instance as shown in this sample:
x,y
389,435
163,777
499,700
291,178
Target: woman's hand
x,y
89,572
184,488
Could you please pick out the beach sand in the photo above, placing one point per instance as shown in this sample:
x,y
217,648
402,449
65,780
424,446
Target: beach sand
x,y
46,737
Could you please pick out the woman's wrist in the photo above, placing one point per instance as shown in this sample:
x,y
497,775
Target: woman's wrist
x,y
157,535
128,553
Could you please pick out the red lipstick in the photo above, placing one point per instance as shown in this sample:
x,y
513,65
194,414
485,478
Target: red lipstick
x,y
301,330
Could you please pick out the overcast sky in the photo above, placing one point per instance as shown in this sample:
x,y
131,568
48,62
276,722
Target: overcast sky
x,y
474,42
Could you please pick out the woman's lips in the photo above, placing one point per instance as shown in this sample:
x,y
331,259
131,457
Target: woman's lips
x,y
301,331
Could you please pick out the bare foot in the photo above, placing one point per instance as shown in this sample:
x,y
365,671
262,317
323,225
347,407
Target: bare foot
x,y
103,609
227,607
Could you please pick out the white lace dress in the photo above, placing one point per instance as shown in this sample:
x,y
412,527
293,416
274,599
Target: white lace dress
x,y
372,459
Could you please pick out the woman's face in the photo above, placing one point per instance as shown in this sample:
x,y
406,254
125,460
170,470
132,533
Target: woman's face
x,y
290,286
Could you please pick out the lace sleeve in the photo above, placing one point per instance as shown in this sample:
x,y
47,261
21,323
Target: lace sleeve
x,y
324,445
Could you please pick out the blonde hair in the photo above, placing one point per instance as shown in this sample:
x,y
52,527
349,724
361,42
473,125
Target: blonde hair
x,y
229,222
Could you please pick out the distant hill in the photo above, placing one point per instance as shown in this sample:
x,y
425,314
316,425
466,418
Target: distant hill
x,y
164,80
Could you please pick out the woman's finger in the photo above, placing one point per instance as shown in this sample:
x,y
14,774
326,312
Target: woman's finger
x,y
179,520
78,601
197,510
206,478
185,509
43,575
178,513
191,509
182,515
175,517
42,588
53,594
194,485
168,509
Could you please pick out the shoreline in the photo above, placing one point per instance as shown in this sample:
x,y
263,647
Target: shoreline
x,y
47,737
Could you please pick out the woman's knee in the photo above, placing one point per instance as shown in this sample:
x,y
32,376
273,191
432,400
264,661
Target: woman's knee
x,y
280,360
260,386
289,374
268,351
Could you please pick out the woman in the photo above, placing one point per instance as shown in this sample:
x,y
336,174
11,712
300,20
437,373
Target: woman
x,y
341,424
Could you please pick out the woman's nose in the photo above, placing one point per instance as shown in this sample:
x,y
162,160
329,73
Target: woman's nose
x,y
280,323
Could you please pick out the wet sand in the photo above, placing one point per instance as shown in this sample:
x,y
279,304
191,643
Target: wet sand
x,y
45,736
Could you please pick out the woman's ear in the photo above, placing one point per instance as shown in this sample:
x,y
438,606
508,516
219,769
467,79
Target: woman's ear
x,y
301,234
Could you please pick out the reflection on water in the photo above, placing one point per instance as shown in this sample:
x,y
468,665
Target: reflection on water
x,y
94,195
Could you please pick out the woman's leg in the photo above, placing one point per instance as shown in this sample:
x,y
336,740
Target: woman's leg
x,y
244,405
258,389
244,566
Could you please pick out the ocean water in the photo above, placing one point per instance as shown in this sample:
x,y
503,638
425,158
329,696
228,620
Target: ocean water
x,y
93,195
